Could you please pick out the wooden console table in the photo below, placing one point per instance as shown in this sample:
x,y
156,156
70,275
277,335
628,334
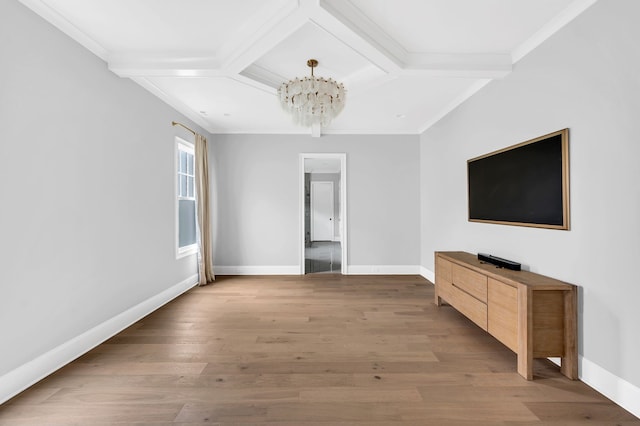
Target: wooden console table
x,y
533,315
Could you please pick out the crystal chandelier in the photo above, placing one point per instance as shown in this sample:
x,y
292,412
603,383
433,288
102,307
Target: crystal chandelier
x,y
312,100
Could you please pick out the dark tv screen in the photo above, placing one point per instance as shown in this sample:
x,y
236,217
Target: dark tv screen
x,y
526,184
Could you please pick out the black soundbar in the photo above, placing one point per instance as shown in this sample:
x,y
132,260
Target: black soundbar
x,y
498,261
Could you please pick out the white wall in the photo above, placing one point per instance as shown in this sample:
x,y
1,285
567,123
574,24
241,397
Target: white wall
x,y
586,78
257,203
87,191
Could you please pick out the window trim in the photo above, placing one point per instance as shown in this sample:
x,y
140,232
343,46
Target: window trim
x,y
181,145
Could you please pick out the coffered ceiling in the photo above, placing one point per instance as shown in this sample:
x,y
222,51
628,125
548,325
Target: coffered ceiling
x,y
405,63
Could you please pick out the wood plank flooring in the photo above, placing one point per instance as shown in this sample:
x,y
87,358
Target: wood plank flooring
x,y
312,350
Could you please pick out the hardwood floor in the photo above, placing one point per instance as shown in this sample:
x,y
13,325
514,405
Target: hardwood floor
x,y
312,350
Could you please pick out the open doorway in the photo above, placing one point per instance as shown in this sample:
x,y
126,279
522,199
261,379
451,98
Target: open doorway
x,y
323,213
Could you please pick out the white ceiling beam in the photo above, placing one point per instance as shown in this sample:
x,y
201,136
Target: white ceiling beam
x,y
339,18
244,49
239,51
458,65
430,65
349,25
139,64
346,22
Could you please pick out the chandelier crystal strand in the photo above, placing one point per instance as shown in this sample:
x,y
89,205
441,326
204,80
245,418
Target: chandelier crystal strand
x,y
312,100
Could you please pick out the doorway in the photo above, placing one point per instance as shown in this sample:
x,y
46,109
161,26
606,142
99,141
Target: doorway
x,y
323,224
322,211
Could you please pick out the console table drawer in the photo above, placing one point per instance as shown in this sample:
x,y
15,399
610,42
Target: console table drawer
x,y
467,305
470,281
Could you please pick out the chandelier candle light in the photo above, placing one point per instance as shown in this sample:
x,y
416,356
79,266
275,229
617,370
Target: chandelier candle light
x,y
312,100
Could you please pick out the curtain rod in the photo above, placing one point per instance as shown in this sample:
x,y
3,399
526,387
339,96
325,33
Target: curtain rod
x,y
175,123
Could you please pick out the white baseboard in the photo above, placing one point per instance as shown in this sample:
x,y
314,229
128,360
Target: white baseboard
x,y
295,270
258,270
613,387
427,274
19,379
383,270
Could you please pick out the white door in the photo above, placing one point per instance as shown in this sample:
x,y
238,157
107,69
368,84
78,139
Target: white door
x,y
321,211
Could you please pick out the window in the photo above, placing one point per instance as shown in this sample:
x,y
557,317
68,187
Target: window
x,y
185,199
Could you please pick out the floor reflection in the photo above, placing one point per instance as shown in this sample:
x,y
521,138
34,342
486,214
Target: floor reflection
x,y
323,256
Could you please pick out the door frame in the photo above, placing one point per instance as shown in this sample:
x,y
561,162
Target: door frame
x,y
344,234
312,210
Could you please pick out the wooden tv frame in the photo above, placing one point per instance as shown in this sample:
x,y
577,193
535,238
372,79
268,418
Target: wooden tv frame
x,y
564,133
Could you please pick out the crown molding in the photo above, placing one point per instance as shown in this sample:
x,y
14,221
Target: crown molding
x,y
553,26
473,89
175,104
61,23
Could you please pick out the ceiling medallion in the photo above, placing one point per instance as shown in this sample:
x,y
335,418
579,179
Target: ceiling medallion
x,y
312,100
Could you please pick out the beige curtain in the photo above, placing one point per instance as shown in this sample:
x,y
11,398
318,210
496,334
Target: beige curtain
x,y
205,262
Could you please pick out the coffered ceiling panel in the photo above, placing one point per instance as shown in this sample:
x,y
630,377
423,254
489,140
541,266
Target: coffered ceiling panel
x,y
408,101
336,59
163,26
216,100
404,63
461,26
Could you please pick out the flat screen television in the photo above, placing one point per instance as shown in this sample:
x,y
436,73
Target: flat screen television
x,y
525,184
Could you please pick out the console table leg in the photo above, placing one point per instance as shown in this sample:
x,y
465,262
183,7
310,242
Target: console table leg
x,y
569,362
525,334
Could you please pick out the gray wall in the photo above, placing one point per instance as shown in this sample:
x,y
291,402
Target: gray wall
x,y
257,197
86,183
586,78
